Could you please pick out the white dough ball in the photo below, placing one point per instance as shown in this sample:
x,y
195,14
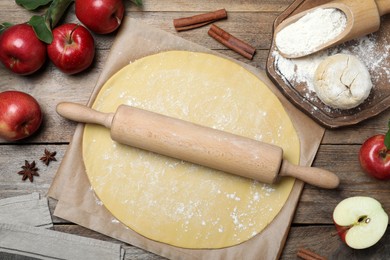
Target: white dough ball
x,y
342,81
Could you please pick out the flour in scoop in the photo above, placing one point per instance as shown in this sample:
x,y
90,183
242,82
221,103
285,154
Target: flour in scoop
x,y
311,31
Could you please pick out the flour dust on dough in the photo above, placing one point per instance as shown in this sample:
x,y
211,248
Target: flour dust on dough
x,y
176,202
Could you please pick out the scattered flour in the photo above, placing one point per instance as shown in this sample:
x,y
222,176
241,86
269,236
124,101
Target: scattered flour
x,y
311,31
299,70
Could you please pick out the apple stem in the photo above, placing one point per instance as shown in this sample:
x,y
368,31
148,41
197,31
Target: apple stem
x,y
71,33
383,153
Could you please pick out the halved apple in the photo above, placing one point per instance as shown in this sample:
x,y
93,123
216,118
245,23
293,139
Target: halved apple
x,y
360,221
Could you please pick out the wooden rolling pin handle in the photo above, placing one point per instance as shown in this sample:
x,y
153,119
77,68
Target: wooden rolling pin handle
x,y
84,114
383,6
314,176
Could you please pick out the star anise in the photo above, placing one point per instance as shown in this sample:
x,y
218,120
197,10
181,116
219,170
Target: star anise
x,y
48,157
29,171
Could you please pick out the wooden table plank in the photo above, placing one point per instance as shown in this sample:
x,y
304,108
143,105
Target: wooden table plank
x,y
357,134
199,6
324,241
12,157
254,28
193,6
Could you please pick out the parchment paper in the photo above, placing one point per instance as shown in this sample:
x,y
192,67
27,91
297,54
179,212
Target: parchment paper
x,y
77,202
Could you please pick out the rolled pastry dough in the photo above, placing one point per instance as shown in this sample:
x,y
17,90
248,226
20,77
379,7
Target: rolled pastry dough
x,y
342,81
172,201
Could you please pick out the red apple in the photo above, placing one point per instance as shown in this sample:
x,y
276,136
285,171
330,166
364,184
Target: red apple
x,y
100,16
20,115
360,221
374,157
72,49
20,49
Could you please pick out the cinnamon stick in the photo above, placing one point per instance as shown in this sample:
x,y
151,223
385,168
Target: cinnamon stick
x,y
199,20
232,42
309,255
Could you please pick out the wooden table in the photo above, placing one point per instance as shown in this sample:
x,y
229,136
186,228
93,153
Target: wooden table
x,y
250,20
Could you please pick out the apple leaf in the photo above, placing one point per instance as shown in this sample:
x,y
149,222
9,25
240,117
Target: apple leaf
x,y
55,12
32,4
4,26
137,2
42,25
41,29
387,138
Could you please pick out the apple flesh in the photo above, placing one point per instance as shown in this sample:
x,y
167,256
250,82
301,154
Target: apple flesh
x,y
100,16
20,115
72,49
374,157
360,221
20,49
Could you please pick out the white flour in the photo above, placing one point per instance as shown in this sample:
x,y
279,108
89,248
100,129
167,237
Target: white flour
x,y
312,30
299,70
365,48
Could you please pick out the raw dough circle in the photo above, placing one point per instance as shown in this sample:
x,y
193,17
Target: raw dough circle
x,y
175,202
342,81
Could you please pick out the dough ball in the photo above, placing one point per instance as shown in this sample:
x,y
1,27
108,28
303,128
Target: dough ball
x,y
342,81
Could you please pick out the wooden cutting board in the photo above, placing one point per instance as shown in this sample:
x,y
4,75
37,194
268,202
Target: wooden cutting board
x,y
373,51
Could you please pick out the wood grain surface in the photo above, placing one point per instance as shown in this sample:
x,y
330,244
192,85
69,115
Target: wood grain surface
x,y
249,20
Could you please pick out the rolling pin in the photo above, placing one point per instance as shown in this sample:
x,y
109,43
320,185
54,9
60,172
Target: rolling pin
x,y
197,144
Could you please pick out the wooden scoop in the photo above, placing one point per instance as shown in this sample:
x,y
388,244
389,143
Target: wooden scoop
x,y
197,144
363,17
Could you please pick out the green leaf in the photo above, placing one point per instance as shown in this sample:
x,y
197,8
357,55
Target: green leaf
x,y
4,26
41,29
32,4
55,12
387,137
137,2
